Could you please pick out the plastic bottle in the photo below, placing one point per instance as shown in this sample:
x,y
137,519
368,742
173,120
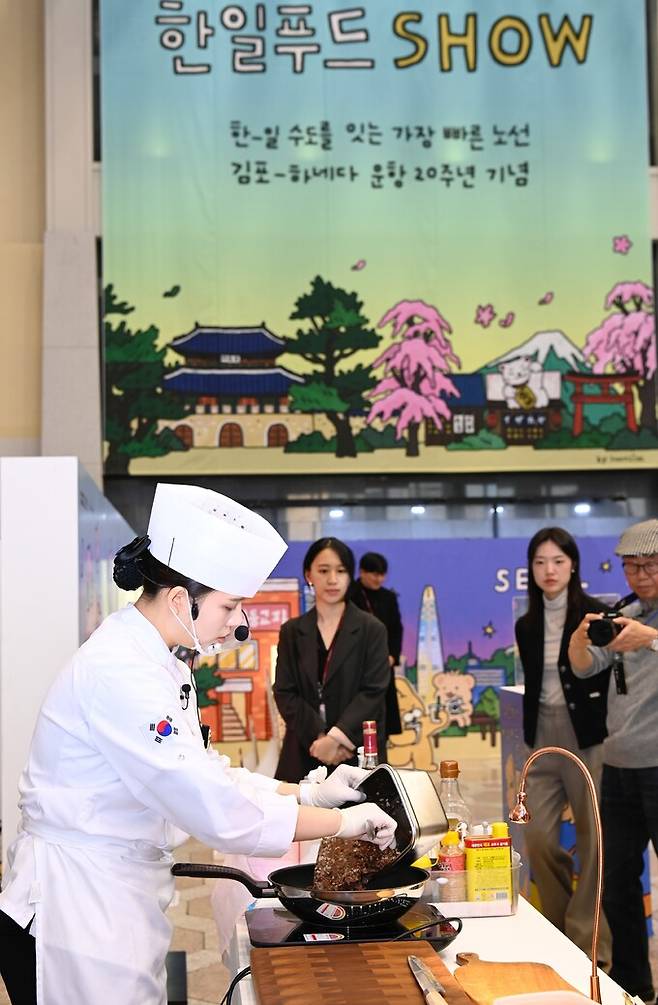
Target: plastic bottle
x,y
458,814
452,859
488,865
370,755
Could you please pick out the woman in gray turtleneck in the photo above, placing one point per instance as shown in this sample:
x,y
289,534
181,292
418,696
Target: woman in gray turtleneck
x,y
566,711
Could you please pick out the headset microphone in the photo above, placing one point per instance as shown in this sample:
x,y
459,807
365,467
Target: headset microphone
x,y
241,633
185,694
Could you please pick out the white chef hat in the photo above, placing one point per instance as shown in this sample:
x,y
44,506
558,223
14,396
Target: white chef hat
x,y
212,539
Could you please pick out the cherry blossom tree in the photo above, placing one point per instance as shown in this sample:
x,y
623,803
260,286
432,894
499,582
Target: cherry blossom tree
x,y
625,342
415,382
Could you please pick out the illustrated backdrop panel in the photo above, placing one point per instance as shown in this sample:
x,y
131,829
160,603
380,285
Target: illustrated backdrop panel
x,y
459,600
375,239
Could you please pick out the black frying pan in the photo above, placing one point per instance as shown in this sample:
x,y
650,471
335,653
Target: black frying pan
x,y
381,901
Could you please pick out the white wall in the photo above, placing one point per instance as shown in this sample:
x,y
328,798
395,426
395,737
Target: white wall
x,y
58,534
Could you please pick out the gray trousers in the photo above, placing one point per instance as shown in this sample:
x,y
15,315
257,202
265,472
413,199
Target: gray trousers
x,y
554,781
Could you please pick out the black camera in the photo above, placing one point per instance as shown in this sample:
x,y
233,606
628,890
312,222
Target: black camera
x,y
602,631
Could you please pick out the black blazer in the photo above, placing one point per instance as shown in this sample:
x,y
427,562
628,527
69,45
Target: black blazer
x,y
384,605
586,698
355,688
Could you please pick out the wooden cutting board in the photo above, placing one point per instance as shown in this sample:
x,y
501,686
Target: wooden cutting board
x,y
484,981
350,974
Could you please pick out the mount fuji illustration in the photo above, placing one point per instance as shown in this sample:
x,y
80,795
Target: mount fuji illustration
x,y
553,350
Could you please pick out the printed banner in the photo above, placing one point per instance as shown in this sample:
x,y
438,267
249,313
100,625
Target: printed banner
x,y
369,238
458,642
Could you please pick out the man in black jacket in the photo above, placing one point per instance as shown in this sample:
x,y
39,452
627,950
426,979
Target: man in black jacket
x,y
369,593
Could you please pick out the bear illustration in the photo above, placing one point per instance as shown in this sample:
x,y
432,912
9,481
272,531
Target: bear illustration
x,y
453,696
523,383
412,748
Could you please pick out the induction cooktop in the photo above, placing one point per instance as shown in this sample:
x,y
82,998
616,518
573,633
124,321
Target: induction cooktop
x,y
276,927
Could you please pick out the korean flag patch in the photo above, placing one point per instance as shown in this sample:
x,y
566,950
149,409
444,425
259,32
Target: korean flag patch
x,y
160,730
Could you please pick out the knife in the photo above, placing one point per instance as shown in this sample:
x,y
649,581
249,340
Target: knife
x,y
431,987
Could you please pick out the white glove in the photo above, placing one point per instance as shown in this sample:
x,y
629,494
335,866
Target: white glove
x,y
368,823
339,788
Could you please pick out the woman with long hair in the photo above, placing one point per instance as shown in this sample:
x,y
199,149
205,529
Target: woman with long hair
x,y
119,772
332,669
561,709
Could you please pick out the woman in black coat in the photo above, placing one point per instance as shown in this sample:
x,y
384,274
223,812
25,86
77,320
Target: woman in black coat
x,y
332,670
563,710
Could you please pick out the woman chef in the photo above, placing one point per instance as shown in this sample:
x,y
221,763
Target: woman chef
x,y
118,774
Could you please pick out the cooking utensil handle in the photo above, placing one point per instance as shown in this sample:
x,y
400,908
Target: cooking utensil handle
x,y
434,998
203,870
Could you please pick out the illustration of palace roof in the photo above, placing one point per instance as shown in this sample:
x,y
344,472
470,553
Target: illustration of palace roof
x,y
232,381
215,341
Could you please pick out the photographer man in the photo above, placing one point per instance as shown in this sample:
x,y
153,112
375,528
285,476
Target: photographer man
x,y
629,789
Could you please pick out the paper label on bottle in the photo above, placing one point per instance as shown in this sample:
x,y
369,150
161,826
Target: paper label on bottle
x,y
333,911
451,863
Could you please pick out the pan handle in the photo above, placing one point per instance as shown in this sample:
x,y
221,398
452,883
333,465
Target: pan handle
x,y
203,870
460,925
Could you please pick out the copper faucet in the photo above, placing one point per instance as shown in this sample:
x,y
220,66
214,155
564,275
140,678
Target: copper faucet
x,y
521,815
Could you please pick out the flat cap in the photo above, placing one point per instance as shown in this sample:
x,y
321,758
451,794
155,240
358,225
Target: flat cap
x,y
640,539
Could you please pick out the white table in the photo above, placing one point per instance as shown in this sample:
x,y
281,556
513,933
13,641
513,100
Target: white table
x,y
524,936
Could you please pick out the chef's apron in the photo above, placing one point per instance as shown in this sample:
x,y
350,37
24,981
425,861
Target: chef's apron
x,y
100,928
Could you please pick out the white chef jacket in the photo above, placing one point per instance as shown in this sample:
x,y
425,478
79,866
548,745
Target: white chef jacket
x,y
117,776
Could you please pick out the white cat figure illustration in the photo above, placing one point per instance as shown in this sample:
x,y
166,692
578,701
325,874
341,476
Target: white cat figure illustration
x,y
523,384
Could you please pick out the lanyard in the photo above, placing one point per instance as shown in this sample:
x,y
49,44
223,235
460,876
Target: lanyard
x,y
330,651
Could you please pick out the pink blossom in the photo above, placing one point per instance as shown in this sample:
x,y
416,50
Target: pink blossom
x,y
361,264
547,298
622,245
409,407
623,293
625,341
484,315
507,320
415,367
440,385
405,311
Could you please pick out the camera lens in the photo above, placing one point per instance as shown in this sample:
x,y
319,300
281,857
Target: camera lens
x,y
602,632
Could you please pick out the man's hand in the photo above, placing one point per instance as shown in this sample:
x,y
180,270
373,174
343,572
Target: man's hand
x,y
329,751
579,655
632,637
580,638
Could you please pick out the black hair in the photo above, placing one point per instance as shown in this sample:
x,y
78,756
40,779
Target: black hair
x,y
344,552
372,561
565,542
135,567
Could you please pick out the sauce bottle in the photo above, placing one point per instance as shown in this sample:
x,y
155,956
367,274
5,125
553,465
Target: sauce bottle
x,y
455,808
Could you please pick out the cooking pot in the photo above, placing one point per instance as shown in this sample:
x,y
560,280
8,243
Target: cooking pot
x,y
382,901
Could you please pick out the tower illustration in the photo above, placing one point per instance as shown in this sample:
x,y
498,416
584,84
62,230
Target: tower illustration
x,y
429,655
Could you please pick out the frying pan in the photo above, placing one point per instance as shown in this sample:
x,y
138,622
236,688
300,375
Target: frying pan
x,y
382,901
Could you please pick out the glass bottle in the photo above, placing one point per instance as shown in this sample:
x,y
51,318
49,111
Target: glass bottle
x,y
459,815
370,755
